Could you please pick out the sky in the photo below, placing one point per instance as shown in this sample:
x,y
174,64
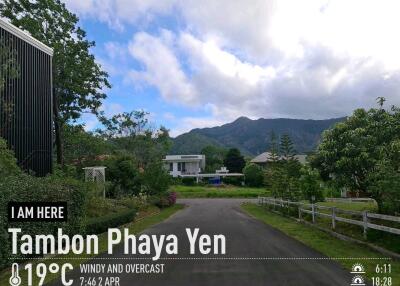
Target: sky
x,y
194,64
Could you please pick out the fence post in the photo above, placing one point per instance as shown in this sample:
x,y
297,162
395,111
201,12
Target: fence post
x,y
333,218
299,206
313,212
365,221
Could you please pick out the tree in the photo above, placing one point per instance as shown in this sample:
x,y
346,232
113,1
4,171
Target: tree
x,y
214,157
234,161
310,185
254,175
126,124
155,179
83,146
129,132
274,148
352,150
77,79
380,100
122,171
286,148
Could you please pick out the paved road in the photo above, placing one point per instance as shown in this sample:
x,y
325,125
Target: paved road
x,y
246,237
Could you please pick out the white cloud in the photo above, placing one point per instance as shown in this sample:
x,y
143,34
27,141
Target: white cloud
x,y
299,59
116,13
188,123
161,68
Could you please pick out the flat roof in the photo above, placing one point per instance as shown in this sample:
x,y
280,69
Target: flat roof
x,y
23,35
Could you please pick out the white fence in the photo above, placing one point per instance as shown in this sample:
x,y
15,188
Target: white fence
x,y
335,214
349,200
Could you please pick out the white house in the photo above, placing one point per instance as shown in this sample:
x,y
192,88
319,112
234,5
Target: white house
x,y
179,165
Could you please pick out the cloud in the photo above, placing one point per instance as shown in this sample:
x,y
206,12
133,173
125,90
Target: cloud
x,y
298,59
161,68
118,13
188,123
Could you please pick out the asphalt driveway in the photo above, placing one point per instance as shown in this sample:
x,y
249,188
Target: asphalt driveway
x,y
263,255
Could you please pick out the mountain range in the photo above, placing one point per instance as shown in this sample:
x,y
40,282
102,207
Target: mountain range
x,y
252,137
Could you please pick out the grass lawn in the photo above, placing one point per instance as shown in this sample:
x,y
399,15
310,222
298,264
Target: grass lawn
x,y
151,217
325,243
218,192
352,206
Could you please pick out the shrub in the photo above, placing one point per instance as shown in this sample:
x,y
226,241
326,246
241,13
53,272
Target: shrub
x,y
160,201
310,185
25,188
186,181
8,163
163,200
172,198
123,175
101,224
155,179
254,175
236,181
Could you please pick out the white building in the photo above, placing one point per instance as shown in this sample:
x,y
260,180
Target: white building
x,y
181,165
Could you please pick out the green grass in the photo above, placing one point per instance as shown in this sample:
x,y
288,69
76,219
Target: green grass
x,y
134,228
352,206
325,243
218,192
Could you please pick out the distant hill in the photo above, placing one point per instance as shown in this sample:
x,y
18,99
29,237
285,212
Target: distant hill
x,y
252,137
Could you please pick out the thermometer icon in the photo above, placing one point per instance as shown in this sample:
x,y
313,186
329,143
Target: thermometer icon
x,y
15,280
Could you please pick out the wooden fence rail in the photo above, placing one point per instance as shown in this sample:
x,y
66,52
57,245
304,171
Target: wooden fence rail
x,y
334,214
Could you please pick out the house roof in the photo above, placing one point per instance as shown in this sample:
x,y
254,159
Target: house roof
x,y
267,157
262,158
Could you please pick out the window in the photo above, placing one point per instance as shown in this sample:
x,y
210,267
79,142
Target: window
x,y
181,167
171,167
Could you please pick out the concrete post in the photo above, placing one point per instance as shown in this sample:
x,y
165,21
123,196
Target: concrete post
x,y
365,221
313,212
333,218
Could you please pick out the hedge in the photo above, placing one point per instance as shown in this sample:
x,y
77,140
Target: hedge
x,y
101,224
25,188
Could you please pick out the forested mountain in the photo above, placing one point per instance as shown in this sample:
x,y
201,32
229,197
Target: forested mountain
x,y
252,137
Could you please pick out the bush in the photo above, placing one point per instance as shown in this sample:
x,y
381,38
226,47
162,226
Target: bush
x,y
236,181
186,181
123,175
163,200
310,185
254,175
25,188
101,224
172,198
8,163
155,179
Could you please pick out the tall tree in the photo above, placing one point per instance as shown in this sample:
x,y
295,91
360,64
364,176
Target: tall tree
x,y
77,79
356,149
130,132
287,149
214,157
274,148
234,161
